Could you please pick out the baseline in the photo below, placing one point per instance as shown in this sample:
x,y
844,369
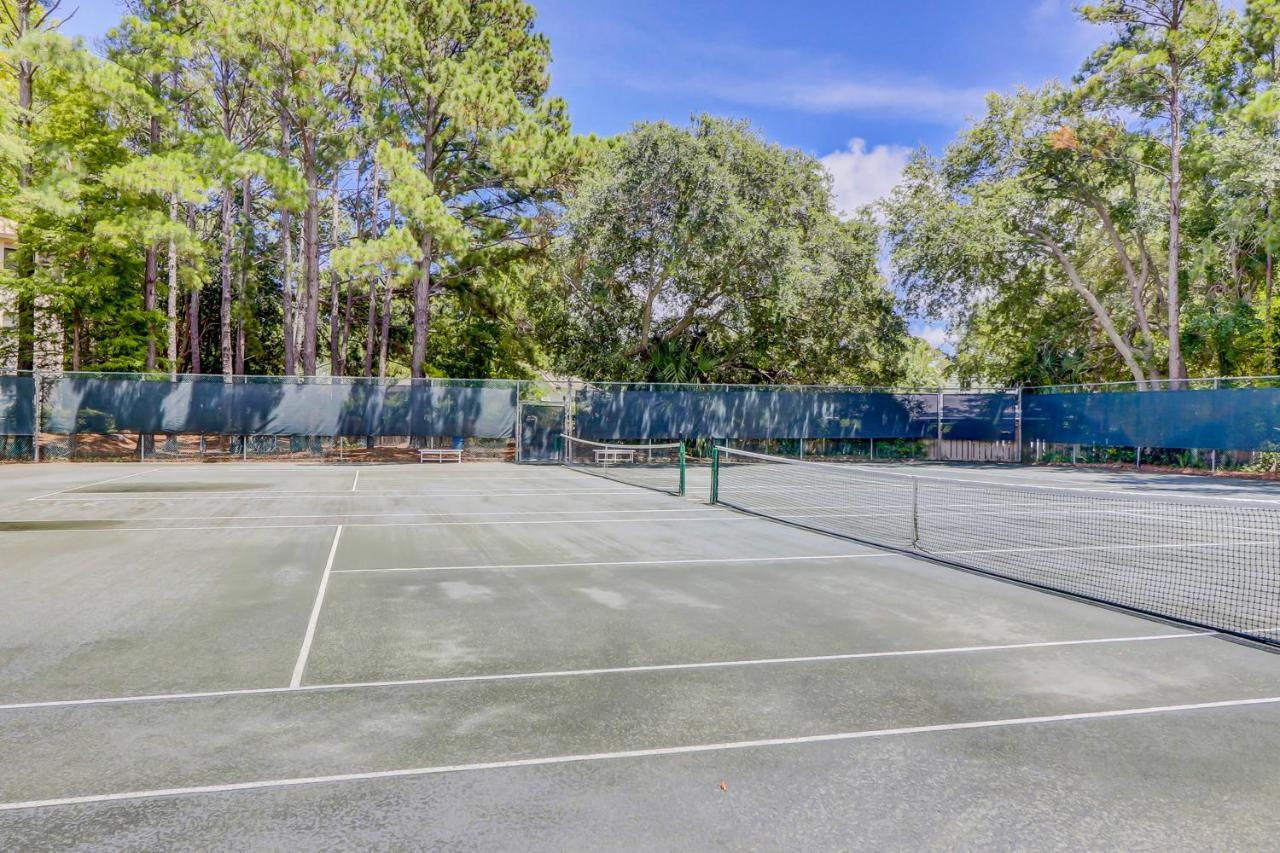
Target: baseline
x,y
640,753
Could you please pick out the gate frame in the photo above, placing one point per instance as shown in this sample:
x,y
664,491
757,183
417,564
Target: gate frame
x,y
520,407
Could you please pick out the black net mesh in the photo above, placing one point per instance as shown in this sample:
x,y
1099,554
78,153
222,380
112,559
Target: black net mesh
x,y
1210,563
653,466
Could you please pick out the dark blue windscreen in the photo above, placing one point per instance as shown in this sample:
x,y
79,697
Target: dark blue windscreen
x,y
209,405
980,416
1223,419
624,412
17,405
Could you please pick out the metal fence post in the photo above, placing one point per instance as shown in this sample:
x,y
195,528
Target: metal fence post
x,y
682,470
1017,427
35,408
941,402
568,411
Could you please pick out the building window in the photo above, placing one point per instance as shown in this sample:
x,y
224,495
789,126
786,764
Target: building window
x,y
10,258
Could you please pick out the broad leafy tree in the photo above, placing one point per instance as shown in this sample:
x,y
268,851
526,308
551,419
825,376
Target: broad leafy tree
x,y
705,253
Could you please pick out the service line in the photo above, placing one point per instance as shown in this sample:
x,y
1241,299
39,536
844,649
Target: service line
x,y
577,673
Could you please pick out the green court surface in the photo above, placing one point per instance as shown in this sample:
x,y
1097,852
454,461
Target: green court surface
x,y
499,657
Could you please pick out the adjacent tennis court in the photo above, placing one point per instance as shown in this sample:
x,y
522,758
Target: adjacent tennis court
x,y
496,656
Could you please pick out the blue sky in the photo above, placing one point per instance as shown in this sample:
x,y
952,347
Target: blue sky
x,y
859,83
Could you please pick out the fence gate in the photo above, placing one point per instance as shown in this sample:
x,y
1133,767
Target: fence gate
x,y
539,432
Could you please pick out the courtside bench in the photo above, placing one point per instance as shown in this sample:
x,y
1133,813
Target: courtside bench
x,y
440,454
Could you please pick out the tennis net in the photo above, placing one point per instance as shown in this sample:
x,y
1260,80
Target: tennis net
x,y
1214,564
652,466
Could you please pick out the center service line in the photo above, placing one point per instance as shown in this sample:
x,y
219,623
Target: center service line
x,y
315,612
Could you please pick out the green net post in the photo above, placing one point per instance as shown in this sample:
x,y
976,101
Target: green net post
x,y
36,413
715,473
682,470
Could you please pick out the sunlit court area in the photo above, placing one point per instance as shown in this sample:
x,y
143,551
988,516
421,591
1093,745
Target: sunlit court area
x,y
580,425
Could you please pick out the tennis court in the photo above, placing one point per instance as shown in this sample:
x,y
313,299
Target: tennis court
x,y
495,656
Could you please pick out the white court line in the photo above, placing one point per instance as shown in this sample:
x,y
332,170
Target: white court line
x,y
866,555
574,673
397,515
722,517
91,485
315,612
520,513
289,495
640,753
356,481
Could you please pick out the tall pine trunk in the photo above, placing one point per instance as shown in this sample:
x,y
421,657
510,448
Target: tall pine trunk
x,y
388,291
224,262
371,318
193,306
26,266
246,249
151,264
421,310
171,312
311,255
335,336
1269,325
422,283
347,311
286,260
384,320
1177,370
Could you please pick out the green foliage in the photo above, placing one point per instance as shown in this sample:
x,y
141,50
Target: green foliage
x,y
494,241
1043,234
705,253
926,366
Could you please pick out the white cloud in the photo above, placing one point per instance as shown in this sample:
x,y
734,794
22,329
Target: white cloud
x,y
860,176
790,79
819,91
922,100
939,337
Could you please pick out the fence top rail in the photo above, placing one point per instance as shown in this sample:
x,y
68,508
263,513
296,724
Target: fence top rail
x,y
530,385
251,379
1199,383
710,387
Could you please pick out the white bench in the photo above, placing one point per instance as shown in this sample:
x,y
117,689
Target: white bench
x,y
440,454
615,454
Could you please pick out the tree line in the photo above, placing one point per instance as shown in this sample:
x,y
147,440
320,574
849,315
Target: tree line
x,y
1120,226
386,188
